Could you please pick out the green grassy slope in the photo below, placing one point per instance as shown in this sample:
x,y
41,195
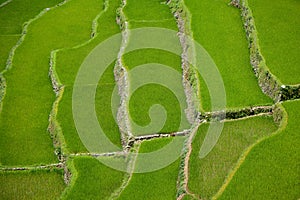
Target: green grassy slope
x,y
207,175
271,170
29,95
279,36
31,185
93,180
218,28
68,63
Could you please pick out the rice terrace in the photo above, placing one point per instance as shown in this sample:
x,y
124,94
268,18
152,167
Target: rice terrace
x,y
150,99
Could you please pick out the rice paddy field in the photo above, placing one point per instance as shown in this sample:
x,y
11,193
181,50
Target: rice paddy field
x,y
160,183
149,136
93,180
68,61
32,185
277,37
265,168
159,15
224,39
212,171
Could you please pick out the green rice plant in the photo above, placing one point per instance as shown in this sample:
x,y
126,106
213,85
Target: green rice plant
x,y
93,180
159,184
148,95
146,13
12,17
133,58
207,175
6,43
223,37
271,170
29,95
143,99
4,2
278,34
67,65
269,84
167,23
103,110
153,14
188,197
17,12
40,184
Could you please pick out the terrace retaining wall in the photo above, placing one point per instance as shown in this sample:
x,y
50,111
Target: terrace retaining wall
x,y
2,90
190,77
269,83
121,78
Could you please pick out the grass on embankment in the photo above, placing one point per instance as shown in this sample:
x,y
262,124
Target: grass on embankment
x,y
67,65
207,175
271,170
159,184
29,96
279,36
93,180
218,28
153,14
40,184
